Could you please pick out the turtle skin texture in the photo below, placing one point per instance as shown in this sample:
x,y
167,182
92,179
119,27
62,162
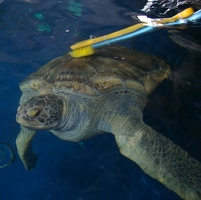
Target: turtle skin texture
x,y
76,99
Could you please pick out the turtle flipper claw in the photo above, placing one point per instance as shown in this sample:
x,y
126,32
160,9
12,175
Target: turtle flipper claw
x,y
29,160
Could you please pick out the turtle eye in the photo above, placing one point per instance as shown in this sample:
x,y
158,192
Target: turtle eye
x,y
34,112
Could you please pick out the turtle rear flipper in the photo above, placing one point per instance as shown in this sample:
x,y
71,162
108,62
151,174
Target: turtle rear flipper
x,y
163,160
24,148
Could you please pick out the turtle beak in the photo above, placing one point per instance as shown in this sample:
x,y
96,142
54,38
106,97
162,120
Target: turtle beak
x,y
19,116
23,120
19,108
32,124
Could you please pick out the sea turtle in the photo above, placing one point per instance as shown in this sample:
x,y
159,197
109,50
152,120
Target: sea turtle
x,y
79,98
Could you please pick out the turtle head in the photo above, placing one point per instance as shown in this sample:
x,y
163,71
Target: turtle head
x,y
41,112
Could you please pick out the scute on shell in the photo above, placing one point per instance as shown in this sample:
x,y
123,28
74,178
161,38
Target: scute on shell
x,y
110,69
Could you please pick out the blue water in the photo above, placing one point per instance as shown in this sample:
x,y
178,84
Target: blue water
x,y
32,32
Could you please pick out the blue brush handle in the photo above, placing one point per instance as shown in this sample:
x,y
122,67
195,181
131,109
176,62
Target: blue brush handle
x,y
192,19
124,37
195,17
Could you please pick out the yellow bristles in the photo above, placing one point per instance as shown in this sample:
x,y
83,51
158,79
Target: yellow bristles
x,y
81,52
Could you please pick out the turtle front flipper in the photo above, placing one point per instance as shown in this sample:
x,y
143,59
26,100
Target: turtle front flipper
x,y
163,160
24,148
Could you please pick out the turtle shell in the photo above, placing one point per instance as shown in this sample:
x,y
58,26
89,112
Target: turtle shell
x,y
109,69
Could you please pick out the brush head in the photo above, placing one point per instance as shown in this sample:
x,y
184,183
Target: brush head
x,y
81,52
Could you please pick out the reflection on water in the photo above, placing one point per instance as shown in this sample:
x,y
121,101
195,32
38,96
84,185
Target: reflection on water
x,y
163,7
36,31
185,41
